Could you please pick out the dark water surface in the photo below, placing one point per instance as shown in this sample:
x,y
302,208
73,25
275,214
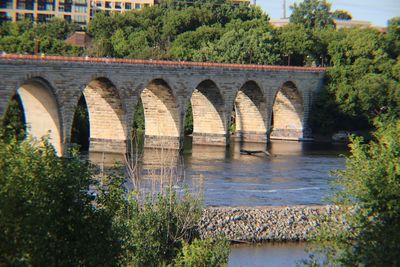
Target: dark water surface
x,y
267,255
296,173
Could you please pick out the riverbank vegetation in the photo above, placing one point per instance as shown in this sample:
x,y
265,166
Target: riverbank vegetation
x,y
56,212
369,202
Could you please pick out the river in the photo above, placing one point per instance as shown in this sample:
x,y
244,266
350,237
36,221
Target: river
x,y
270,254
296,173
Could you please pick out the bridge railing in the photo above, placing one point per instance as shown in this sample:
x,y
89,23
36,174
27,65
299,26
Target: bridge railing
x,y
11,57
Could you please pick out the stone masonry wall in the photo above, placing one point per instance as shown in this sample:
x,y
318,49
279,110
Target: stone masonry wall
x,y
67,80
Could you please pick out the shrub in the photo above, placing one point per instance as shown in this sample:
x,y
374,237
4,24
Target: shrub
x,y
208,252
46,213
151,228
371,203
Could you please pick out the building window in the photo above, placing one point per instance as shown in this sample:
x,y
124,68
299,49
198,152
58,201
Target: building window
x,y
27,16
128,6
117,5
6,4
138,6
65,6
4,17
25,4
108,4
44,17
80,9
46,5
146,5
80,19
68,18
80,2
20,16
99,4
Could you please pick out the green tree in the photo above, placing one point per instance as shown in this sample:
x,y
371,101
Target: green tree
x,y
295,43
341,15
245,43
361,76
13,121
194,45
312,14
213,253
46,212
393,37
371,187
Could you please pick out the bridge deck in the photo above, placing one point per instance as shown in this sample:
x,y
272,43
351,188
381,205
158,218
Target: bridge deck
x,y
12,57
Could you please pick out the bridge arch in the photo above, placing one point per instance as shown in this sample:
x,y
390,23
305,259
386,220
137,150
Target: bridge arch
x,y
209,114
107,125
41,111
287,113
161,115
251,113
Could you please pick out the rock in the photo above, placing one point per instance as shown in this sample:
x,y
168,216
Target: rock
x,y
264,223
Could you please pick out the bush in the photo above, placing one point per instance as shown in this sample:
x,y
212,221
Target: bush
x,y
153,228
208,252
370,201
46,213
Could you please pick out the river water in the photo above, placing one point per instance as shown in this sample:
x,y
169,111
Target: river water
x,y
271,254
296,173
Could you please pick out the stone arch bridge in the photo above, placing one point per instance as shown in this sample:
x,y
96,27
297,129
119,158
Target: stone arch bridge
x,y
268,101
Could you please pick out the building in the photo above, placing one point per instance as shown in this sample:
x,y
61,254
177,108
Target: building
x,y
42,10
78,11
339,23
120,5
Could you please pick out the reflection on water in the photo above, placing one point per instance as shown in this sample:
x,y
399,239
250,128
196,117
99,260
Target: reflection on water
x,y
296,173
106,159
267,254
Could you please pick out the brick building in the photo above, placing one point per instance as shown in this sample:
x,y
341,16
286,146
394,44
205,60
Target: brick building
x,y
78,11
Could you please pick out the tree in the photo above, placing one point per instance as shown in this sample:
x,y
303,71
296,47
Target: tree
x,y
370,187
13,121
341,15
393,37
361,78
246,43
46,212
295,43
312,14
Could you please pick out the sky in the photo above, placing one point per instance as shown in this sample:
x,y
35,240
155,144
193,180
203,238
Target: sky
x,y
376,11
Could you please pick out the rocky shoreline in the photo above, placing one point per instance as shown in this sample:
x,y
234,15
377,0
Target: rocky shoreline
x,y
258,224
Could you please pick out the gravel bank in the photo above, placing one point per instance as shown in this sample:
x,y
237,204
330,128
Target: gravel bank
x,y
259,224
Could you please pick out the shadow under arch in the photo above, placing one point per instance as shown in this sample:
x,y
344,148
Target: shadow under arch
x,y
251,114
161,115
209,115
107,126
41,111
287,113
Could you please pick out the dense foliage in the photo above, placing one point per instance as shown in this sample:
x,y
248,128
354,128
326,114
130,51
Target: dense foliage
x,y
206,252
25,37
370,204
46,213
54,212
13,122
